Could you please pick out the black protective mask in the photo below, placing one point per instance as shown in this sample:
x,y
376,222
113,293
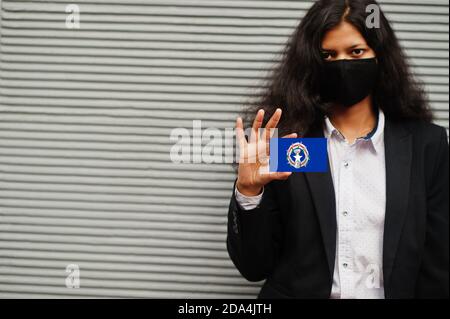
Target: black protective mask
x,y
347,82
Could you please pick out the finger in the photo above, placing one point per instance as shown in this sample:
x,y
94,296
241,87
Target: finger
x,y
293,135
275,119
240,131
241,141
280,176
257,123
267,178
273,123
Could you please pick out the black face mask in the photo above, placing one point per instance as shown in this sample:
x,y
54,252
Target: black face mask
x,y
347,82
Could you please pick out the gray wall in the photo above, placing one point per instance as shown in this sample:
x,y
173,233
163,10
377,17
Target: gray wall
x,y
85,118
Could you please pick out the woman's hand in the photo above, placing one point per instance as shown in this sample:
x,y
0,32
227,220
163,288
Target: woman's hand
x,y
253,172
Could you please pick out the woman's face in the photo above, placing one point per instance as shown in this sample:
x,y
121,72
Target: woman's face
x,y
344,42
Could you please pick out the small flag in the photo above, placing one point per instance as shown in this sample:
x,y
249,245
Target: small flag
x,y
298,155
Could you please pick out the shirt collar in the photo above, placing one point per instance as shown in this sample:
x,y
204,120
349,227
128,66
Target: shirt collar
x,y
375,136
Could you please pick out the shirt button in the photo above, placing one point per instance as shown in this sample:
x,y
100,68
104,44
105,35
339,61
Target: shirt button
x,y
345,265
345,214
346,164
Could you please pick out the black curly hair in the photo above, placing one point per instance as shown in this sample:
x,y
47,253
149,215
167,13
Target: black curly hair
x,y
293,85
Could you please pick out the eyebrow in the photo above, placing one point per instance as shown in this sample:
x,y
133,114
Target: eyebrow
x,y
352,47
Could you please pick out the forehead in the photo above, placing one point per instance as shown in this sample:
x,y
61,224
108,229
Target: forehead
x,y
342,37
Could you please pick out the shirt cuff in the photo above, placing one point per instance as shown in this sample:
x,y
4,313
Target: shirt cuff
x,y
247,202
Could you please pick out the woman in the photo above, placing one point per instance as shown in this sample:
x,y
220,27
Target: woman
x,y
375,225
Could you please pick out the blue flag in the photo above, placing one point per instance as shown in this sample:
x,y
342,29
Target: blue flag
x,y
298,155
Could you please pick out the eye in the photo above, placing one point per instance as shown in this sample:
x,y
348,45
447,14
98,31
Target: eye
x,y
327,55
358,52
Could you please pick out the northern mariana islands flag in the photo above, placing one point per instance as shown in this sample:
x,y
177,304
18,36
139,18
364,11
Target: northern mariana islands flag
x,y
298,155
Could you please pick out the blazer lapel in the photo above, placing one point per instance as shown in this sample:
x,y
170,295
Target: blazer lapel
x,y
322,190
398,154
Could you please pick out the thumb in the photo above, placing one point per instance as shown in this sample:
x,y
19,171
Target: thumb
x,y
267,178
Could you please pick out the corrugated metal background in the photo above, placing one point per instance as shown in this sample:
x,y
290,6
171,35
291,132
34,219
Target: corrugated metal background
x,y
85,118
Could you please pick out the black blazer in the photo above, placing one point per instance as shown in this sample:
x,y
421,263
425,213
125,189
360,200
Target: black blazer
x,y
290,238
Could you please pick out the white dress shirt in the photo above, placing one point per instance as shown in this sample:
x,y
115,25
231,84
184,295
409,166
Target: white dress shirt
x,y
359,178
